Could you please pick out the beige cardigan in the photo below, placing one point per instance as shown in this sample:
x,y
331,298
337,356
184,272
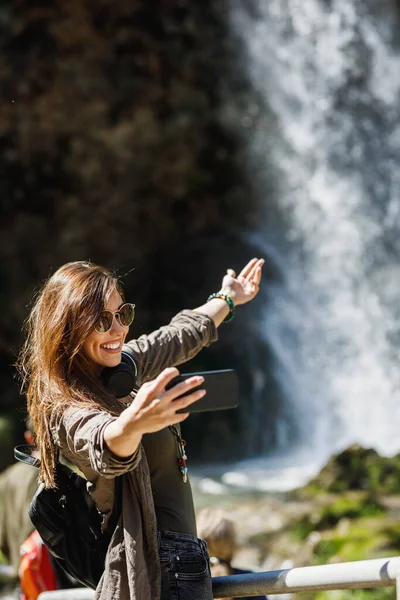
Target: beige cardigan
x,y
132,569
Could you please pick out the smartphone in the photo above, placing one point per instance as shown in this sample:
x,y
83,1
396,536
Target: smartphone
x,y
222,391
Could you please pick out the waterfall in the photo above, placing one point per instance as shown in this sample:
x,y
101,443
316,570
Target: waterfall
x,y
323,116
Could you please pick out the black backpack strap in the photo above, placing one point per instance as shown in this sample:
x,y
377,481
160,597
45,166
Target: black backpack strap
x,y
24,454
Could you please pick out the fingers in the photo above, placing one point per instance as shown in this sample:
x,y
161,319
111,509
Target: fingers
x,y
254,274
152,413
158,384
154,398
180,403
257,274
252,271
251,265
247,269
153,390
178,418
183,387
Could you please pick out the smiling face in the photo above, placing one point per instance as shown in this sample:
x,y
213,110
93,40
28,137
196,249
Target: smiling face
x,y
104,349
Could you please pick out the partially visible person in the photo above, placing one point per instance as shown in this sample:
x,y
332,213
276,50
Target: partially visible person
x,y
18,484
37,572
20,543
218,530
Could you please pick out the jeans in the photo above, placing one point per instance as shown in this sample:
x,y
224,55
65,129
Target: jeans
x,y
185,570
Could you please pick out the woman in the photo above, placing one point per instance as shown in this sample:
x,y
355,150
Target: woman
x,y
76,328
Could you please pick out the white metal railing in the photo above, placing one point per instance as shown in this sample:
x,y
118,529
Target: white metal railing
x,y
8,573
351,575
375,573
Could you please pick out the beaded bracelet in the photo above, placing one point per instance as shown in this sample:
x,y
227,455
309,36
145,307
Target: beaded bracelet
x,y
227,299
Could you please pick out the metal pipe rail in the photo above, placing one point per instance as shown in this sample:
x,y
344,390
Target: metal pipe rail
x,y
8,574
375,573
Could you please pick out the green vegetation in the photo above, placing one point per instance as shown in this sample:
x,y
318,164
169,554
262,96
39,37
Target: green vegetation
x,y
349,512
350,506
387,593
356,468
359,540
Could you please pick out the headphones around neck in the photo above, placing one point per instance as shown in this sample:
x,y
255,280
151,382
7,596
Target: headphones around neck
x,y
121,380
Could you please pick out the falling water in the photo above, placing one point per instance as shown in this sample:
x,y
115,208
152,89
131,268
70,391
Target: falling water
x,y
323,117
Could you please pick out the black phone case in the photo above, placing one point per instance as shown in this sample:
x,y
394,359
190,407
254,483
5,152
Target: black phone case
x,y
222,391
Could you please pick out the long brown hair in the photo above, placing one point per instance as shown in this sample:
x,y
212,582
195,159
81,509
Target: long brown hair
x,y
55,374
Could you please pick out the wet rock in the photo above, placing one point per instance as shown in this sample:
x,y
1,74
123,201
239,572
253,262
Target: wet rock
x,y
358,468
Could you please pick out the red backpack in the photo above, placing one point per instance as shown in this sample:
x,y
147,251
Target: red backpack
x,y
36,571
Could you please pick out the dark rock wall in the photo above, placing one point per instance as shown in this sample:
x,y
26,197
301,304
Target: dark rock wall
x,y
111,149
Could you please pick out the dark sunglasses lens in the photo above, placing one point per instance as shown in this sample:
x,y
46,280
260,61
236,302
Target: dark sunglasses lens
x,y
105,321
127,314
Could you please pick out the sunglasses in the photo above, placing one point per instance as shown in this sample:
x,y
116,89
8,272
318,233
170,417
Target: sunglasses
x,y
125,316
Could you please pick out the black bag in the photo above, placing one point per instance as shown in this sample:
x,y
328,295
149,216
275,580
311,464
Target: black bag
x,y
69,522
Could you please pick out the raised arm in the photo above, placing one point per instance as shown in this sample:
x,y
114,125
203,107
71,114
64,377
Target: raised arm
x,y
173,344
154,407
192,330
239,289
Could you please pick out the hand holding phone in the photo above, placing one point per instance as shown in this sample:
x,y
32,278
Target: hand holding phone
x,y
221,387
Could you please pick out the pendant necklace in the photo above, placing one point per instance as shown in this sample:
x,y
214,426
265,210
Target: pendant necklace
x,y
181,460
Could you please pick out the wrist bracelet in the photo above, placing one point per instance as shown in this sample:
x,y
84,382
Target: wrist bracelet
x,y
230,303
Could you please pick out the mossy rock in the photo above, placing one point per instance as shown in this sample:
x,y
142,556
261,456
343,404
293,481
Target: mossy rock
x,y
357,468
350,547
351,506
361,539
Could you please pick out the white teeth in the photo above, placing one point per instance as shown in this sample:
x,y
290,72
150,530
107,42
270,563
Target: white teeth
x,y
111,346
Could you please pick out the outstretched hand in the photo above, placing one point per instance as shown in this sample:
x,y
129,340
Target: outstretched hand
x,y
244,287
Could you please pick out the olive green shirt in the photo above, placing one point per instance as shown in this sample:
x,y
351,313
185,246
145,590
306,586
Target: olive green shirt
x,y
18,484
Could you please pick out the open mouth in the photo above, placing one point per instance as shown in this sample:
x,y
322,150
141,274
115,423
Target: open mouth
x,y
111,347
